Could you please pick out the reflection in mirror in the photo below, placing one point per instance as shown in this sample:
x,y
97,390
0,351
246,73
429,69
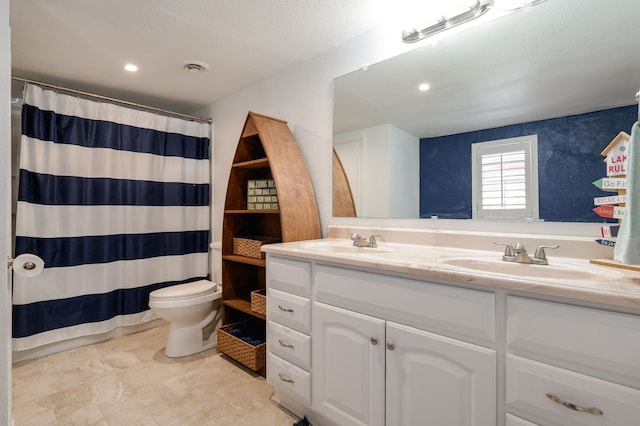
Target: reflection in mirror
x,y
343,205
563,70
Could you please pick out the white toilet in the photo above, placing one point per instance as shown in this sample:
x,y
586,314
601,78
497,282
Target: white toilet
x,y
191,310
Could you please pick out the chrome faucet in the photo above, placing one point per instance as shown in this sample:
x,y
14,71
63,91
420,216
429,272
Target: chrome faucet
x,y
519,254
359,241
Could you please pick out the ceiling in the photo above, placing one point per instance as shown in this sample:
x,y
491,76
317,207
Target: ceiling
x,y
84,44
565,46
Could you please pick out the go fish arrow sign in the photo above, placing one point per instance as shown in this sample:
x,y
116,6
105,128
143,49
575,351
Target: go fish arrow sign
x,y
611,184
611,212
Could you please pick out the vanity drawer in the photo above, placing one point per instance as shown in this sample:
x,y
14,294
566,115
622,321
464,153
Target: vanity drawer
x,y
289,378
293,276
511,420
289,309
289,344
595,342
457,312
529,383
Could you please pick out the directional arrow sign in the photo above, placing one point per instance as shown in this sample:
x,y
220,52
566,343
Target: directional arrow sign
x,y
611,212
598,201
606,243
611,184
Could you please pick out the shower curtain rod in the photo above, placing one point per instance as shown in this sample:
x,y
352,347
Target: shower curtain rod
x,y
119,101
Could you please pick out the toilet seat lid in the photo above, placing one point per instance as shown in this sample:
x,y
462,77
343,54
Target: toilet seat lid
x,y
184,291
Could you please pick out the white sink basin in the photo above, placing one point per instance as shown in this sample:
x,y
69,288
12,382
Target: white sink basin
x,y
344,247
555,270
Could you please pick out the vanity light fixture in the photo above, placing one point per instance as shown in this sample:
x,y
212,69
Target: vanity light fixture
x,y
131,67
423,87
476,10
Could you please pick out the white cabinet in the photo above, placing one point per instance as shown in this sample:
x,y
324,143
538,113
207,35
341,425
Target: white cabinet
x,y
348,354
430,379
512,420
415,330
436,380
570,365
349,347
288,327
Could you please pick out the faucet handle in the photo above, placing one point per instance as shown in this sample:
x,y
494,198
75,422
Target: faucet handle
x,y
540,253
357,239
372,240
509,253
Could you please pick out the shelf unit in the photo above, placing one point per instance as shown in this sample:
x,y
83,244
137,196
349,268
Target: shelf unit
x,y
266,150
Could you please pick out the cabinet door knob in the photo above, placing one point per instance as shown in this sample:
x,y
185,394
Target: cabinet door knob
x,y
286,345
574,407
284,309
374,341
285,378
390,346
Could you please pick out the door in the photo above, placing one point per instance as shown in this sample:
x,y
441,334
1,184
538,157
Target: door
x,y
432,379
5,216
348,366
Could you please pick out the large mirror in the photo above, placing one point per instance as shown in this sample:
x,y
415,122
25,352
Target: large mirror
x,y
566,70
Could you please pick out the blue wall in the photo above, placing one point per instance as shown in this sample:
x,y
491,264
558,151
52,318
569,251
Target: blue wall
x,y
568,162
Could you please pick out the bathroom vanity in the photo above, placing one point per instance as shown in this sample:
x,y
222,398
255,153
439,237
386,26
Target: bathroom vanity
x,y
407,334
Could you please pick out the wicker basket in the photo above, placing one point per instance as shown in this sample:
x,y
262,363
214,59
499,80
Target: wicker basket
x,y
251,356
250,246
259,301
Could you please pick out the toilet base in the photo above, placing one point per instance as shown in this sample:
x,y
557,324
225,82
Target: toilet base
x,y
184,340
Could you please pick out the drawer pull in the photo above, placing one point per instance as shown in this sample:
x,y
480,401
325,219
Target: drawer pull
x,y
284,309
574,407
286,345
285,379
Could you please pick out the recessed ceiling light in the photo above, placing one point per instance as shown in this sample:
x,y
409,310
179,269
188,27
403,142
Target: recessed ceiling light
x,y
131,67
423,87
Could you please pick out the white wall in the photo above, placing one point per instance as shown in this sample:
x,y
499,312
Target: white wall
x,y
304,96
404,174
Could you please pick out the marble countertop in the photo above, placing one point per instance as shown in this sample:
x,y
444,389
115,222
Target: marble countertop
x,y
566,277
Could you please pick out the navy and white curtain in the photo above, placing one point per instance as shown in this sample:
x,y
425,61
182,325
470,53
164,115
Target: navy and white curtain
x,y
116,203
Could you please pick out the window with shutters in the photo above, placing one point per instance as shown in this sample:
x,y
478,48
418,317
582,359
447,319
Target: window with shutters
x,y
505,178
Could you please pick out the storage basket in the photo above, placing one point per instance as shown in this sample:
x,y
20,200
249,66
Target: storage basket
x,y
245,353
250,246
259,301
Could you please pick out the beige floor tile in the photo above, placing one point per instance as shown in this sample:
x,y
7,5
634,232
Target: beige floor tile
x,y
129,381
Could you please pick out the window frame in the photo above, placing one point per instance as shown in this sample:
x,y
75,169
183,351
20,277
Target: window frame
x,y
528,144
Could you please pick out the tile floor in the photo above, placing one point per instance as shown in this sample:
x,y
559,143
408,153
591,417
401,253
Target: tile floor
x,y
129,381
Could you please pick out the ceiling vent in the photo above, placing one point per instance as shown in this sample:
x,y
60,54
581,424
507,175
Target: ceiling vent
x,y
196,67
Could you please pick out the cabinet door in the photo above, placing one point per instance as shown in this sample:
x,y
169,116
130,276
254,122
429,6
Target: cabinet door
x,y
432,379
348,366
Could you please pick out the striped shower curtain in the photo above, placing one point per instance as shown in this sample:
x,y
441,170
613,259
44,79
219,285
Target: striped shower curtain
x,y
116,203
